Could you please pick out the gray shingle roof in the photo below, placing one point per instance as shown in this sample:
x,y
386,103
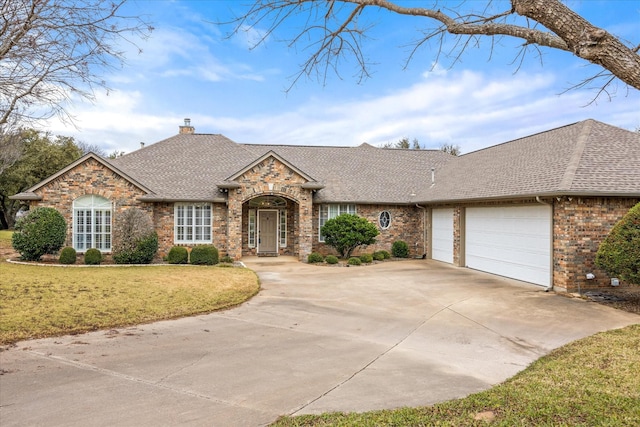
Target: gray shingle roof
x,y
584,158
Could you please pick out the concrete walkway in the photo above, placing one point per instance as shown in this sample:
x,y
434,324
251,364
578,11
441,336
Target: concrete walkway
x,y
315,339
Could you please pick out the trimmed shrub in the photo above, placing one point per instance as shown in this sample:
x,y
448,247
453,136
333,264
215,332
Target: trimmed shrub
x,y
67,256
619,253
226,259
331,259
135,241
346,232
178,255
314,257
93,256
400,249
354,260
378,256
366,258
386,254
204,255
42,231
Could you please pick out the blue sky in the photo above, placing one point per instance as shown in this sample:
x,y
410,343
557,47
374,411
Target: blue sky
x,y
189,68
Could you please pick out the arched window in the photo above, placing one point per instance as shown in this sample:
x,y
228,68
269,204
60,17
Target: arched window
x,y
92,223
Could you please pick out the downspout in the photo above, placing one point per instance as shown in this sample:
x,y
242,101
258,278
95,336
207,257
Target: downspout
x,y
550,287
424,230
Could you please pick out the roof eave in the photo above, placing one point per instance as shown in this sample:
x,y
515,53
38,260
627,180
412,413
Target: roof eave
x,y
154,198
27,196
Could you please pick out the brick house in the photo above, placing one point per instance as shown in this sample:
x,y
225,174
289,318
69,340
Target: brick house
x,y
534,209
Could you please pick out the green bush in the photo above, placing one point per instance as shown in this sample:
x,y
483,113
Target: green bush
x,y
347,232
354,260
93,256
178,255
619,253
67,256
204,255
314,257
331,259
42,231
226,259
378,256
400,249
143,253
386,254
134,239
366,258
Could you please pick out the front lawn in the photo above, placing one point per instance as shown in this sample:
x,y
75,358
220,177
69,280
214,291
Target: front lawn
x,y
37,301
591,382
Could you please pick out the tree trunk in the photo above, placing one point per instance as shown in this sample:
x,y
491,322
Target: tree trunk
x,y
585,40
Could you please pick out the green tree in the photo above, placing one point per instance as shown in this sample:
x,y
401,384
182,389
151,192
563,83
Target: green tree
x,y
41,156
619,253
403,143
346,232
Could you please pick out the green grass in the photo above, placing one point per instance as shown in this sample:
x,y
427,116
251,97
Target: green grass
x,y
42,301
5,238
593,381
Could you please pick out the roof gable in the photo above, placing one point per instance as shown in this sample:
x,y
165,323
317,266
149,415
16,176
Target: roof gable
x,y
263,158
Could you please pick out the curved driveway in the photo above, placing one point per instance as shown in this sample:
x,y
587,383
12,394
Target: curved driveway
x,y
315,339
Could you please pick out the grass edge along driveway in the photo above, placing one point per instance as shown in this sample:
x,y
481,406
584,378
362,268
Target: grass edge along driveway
x,y
589,382
44,301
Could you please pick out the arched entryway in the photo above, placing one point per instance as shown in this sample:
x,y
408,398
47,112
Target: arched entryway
x,y
270,226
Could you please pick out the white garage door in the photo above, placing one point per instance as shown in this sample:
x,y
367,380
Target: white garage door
x,y
442,235
512,241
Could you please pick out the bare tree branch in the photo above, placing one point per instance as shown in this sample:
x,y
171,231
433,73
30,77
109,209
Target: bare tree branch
x,y
333,30
53,51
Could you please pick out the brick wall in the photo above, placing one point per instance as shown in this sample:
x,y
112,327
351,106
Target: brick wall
x,y
579,225
406,224
87,178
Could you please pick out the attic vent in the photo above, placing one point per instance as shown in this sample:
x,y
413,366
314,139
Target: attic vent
x,y
187,128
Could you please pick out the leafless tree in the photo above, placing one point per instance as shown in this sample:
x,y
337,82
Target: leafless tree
x,y
55,51
453,149
335,29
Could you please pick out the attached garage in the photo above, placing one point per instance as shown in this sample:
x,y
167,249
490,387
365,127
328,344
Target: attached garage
x,y
511,241
442,235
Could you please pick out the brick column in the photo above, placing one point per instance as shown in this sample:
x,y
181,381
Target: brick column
x,y
234,221
305,226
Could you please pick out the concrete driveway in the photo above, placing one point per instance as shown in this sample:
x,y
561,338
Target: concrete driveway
x,y
315,339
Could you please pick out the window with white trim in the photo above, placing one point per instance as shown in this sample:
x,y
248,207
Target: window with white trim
x,y
251,232
328,212
283,228
192,223
92,223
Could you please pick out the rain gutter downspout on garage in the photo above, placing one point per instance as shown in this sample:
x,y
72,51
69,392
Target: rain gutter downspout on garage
x,y
424,230
550,287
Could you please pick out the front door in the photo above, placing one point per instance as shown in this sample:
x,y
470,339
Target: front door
x,y
267,231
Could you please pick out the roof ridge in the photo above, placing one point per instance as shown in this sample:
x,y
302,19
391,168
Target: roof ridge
x,y
576,156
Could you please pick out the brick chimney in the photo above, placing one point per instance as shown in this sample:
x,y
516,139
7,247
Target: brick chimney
x,y
187,128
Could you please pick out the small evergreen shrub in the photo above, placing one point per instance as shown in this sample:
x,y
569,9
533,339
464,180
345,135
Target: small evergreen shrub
x,y
331,259
178,255
143,253
67,256
347,232
93,256
366,258
40,232
619,253
354,261
226,259
204,255
378,256
400,249
314,257
386,254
